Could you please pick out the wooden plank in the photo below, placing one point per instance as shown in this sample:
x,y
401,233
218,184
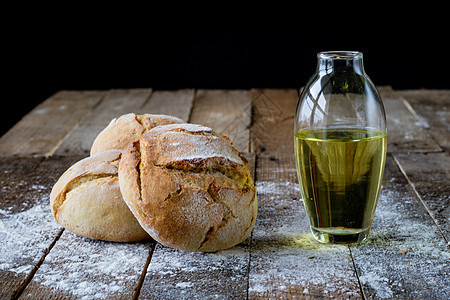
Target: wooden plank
x,y
10,165
385,90
78,267
114,104
27,227
12,171
406,132
175,274
405,255
273,115
286,261
81,268
429,174
226,112
75,266
43,129
433,109
176,103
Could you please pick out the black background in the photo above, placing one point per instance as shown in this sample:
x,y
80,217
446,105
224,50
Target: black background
x,y
223,47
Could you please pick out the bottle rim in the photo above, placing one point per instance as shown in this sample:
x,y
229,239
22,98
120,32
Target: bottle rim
x,y
344,55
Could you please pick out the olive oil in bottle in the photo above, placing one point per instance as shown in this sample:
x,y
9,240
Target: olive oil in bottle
x,y
340,172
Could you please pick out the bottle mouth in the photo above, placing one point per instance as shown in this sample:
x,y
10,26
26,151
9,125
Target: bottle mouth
x,y
344,55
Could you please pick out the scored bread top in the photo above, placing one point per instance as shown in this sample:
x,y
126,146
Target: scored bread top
x,y
87,201
128,128
104,164
200,144
189,188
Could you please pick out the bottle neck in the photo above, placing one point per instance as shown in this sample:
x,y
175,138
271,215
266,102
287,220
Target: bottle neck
x,y
335,61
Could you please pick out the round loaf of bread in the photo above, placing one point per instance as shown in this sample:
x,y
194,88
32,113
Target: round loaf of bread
x,y
189,188
127,129
87,201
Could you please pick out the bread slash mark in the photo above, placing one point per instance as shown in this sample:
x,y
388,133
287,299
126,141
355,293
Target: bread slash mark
x,y
208,236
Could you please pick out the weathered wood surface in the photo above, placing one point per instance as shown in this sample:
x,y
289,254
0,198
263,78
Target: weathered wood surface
x,y
273,120
176,103
406,131
405,256
44,128
27,227
114,103
285,260
227,112
429,176
433,109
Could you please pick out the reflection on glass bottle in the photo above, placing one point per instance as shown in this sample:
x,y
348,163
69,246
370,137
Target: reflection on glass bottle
x,y
340,148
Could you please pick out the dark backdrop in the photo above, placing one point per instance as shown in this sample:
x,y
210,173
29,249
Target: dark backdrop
x,y
238,51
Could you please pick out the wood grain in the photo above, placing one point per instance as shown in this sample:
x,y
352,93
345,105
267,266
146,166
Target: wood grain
x,y
44,128
114,104
12,172
176,103
405,255
406,132
286,262
16,167
27,226
226,112
429,175
79,268
433,109
272,129
175,274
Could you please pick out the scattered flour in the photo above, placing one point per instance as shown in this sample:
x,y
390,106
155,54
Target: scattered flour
x,y
285,258
404,251
190,127
282,253
277,187
92,269
75,266
25,235
175,274
207,146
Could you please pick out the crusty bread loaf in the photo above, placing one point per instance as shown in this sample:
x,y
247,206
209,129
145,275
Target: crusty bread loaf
x,y
127,129
87,201
189,188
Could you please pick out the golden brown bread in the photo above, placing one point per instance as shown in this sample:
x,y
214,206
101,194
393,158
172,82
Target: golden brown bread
x,y
87,201
127,129
189,188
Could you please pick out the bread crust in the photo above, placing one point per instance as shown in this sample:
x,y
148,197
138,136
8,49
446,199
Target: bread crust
x,y
87,201
127,129
189,188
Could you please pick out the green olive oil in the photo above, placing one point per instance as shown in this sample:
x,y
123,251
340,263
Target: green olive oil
x,y
340,172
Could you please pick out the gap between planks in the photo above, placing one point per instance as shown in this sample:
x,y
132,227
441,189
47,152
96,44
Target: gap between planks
x,y
423,124
153,247
39,171
137,291
30,275
361,290
427,209
48,249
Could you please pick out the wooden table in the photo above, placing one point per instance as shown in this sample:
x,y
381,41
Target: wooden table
x,y
405,256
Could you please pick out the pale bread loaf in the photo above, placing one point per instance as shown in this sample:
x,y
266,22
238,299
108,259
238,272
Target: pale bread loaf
x,y
189,188
87,201
127,129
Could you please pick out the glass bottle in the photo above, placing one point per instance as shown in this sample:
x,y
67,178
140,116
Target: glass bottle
x,y
340,148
